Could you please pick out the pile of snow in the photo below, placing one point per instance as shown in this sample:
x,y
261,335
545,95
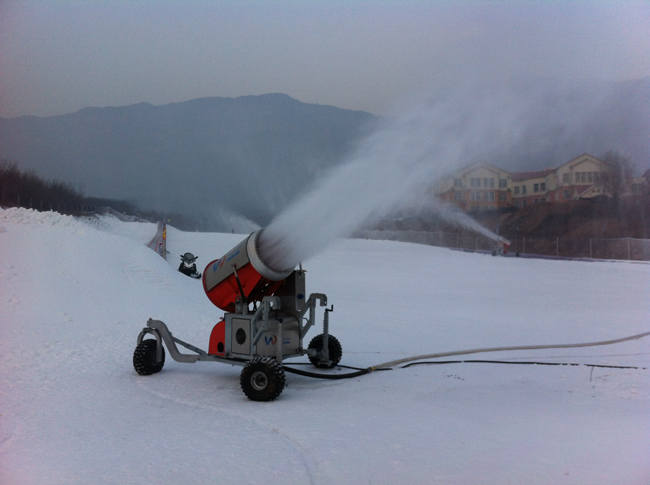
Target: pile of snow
x,y
74,294
20,215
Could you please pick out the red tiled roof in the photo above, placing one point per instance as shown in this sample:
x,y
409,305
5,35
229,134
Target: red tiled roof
x,y
517,176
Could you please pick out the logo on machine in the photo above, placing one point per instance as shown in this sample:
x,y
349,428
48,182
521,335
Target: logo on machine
x,y
273,339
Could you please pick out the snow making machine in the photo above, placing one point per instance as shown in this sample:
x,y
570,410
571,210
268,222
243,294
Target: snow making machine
x,y
267,315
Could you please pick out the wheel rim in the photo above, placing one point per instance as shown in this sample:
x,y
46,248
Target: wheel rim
x,y
259,380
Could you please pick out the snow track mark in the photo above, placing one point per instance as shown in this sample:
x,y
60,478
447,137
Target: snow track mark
x,y
314,475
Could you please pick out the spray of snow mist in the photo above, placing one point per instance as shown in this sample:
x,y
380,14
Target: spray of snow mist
x,y
401,161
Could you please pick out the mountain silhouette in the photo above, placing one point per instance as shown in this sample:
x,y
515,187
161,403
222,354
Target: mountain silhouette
x,y
206,157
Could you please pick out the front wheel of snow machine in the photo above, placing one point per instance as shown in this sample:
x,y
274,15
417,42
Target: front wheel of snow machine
x,y
144,358
262,379
334,347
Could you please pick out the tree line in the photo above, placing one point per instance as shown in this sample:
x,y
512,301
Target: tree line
x,y
26,189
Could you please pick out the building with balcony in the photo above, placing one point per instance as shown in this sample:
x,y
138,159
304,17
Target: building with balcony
x,y
486,187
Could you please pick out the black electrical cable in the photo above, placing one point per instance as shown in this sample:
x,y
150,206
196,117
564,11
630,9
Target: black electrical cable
x,y
361,371
319,375
316,375
337,365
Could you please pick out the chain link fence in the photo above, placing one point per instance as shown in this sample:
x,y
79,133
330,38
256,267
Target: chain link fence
x,y
626,248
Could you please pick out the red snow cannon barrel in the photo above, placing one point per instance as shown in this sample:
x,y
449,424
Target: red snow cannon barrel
x,y
243,262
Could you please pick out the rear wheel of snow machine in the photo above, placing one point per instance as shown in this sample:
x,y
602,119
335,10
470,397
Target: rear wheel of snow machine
x,y
262,379
334,347
144,358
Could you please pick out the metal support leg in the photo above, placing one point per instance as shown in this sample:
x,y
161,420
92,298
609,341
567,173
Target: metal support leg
x,y
159,344
278,344
160,330
326,334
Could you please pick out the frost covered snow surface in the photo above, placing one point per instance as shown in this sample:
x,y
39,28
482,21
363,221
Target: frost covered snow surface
x,y
75,293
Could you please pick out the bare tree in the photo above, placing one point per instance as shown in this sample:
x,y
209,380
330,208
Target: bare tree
x,y
621,174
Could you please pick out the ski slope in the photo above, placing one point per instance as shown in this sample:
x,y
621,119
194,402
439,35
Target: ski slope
x,y
75,293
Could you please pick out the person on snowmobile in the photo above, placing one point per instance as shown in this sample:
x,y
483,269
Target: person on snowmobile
x,y
188,266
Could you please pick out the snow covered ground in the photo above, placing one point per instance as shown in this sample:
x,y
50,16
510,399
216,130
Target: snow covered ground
x,y
74,295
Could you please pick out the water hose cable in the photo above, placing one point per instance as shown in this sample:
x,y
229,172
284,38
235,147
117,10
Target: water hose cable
x,y
410,361
405,360
521,362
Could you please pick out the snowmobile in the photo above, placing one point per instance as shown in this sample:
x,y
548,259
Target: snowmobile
x,y
188,265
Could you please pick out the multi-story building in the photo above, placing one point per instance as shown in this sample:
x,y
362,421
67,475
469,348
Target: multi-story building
x,y
478,187
484,186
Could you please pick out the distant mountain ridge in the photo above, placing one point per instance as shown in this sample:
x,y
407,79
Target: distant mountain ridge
x,y
211,157
223,159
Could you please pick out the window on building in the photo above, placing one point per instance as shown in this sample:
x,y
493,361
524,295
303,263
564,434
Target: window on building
x,y
566,178
458,182
536,188
590,177
502,196
491,183
485,182
516,189
597,177
458,195
503,183
523,189
491,196
542,186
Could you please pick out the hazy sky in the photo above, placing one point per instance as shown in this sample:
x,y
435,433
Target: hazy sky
x,y
60,56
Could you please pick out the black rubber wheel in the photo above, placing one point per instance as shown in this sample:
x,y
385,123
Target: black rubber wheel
x,y
262,379
334,347
144,358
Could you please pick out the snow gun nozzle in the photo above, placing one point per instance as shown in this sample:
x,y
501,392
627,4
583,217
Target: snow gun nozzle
x,y
241,273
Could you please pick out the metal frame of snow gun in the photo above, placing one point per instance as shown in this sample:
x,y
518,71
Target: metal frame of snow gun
x,y
162,334
258,340
159,330
266,319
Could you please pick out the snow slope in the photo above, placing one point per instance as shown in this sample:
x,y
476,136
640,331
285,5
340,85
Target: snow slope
x,y
74,294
